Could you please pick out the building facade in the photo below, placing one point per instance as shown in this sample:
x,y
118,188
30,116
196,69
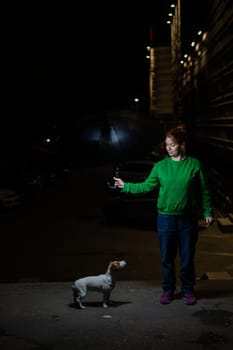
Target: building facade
x,y
160,84
202,67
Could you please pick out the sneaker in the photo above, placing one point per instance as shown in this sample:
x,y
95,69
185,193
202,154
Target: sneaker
x,y
166,298
190,299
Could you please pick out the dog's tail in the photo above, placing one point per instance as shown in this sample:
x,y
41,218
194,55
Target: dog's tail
x,y
75,293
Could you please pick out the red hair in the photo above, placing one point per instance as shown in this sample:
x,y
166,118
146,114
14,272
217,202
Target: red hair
x,y
178,133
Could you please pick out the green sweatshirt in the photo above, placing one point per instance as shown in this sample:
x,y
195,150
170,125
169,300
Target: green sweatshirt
x,y
182,185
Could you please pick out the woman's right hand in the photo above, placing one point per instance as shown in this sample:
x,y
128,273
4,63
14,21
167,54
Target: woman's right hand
x,y
118,182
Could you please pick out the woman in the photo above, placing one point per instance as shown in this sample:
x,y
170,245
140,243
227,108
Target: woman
x,y
183,191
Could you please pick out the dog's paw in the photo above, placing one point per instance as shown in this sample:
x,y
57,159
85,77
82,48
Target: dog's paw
x,y
79,304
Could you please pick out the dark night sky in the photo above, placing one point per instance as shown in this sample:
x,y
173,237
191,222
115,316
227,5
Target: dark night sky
x,y
61,58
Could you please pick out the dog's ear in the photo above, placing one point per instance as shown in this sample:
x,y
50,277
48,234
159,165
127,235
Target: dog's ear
x,y
115,265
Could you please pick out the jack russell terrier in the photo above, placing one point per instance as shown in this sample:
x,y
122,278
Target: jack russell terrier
x,y
101,283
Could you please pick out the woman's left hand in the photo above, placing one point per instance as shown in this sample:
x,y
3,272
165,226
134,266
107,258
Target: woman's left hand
x,y
209,220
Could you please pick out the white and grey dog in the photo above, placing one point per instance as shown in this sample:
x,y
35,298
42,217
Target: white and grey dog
x,y
101,283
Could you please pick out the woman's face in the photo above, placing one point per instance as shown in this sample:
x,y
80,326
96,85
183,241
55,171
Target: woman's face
x,y
172,147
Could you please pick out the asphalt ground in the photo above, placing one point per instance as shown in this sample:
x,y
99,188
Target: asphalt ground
x,y
62,235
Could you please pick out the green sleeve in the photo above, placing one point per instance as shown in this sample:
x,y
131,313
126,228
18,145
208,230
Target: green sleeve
x,y
206,198
142,187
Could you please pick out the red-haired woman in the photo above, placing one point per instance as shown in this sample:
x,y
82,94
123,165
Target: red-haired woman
x,y
183,190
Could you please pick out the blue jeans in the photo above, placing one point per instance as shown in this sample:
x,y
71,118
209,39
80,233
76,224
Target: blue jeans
x,y
177,232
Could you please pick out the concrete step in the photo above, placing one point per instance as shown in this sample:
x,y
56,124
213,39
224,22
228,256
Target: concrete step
x,y
231,217
225,224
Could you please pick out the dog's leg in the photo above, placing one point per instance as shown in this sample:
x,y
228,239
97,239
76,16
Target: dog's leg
x,y
106,299
77,299
78,302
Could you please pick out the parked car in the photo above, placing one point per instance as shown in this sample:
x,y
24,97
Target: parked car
x,y
127,209
157,153
134,170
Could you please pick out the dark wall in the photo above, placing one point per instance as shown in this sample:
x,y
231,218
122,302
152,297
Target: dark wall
x,y
207,100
